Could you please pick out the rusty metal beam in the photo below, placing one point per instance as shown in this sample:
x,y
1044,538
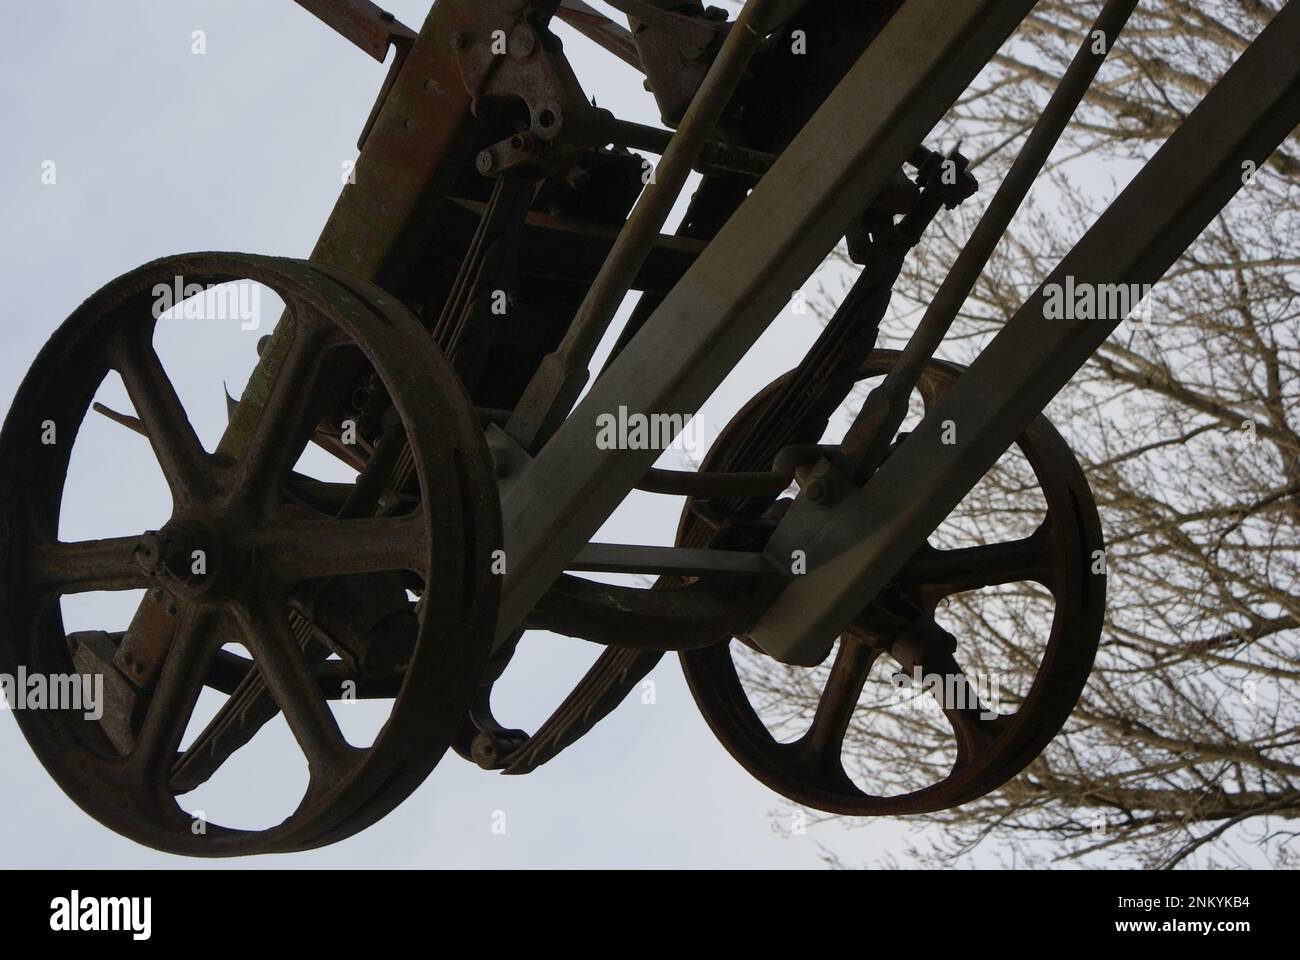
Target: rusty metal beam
x,y
366,24
423,137
595,26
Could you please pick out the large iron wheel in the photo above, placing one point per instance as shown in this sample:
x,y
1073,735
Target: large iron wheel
x,y
266,554
990,750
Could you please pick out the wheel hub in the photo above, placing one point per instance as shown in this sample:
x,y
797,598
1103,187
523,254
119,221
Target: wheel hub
x,y
184,556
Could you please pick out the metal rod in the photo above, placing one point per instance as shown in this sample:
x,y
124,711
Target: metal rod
x,y
690,483
563,374
866,443
743,484
669,561
714,155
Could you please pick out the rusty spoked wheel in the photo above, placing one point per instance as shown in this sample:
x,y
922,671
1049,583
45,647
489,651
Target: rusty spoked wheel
x,y
251,552
991,747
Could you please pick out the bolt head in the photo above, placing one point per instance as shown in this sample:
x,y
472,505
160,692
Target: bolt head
x,y
484,750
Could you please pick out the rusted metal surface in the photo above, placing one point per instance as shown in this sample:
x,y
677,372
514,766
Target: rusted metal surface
x,y
366,24
675,42
595,25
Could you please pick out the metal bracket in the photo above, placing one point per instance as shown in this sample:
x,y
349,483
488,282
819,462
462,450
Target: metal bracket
x,y
522,62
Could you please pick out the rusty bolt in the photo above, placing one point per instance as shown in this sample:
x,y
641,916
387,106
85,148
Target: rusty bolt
x,y
485,750
578,178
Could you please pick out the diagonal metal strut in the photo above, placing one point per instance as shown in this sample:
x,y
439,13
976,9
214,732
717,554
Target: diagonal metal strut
x,y
366,24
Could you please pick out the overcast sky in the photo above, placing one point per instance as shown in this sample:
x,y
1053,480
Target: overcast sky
x,y
160,151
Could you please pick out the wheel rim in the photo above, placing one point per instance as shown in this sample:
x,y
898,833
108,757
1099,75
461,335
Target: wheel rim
x,y
1060,555
259,556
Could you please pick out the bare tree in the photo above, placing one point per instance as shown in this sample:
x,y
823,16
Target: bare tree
x,y
1185,748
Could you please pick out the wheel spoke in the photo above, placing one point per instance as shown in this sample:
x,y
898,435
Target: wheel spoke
x,y
172,701
825,737
89,565
279,660
974,724
288,419
942,573
249,708
304,549
163,419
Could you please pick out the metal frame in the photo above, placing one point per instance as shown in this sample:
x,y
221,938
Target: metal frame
x,y
902,85
929,52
